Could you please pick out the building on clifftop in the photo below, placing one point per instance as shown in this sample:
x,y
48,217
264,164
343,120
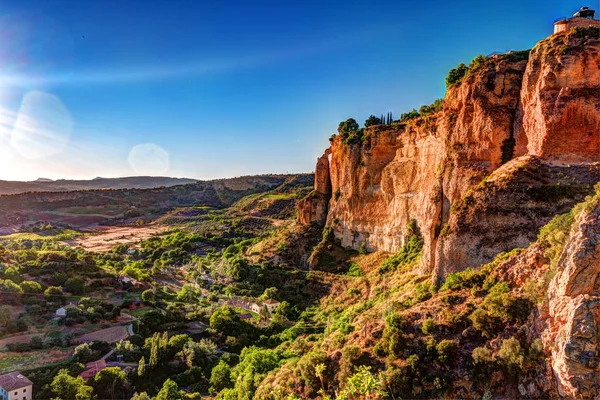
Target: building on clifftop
x,y
584,18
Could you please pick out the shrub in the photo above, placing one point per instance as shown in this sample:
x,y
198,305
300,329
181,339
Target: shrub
x,y
363,248
483,322
337,194
463,280
446,351
428,326
308,366
355,270
481,356
409,254
511,355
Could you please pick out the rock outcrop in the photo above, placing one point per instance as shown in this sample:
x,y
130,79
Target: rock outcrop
x,y
313,208
573,306
546,105
559,114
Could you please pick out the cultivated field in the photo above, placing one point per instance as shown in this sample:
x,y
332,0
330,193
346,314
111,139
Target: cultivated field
x,y
104,238
110,335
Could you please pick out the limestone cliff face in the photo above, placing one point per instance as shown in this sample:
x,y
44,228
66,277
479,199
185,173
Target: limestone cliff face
x,y
418,169
313,208
549,105
572,332
559,114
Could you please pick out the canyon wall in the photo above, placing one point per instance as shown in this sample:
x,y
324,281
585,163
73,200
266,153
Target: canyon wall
x,y
546,106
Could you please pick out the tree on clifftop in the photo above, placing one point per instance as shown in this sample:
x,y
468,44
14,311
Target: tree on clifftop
x,y
348,126
372,120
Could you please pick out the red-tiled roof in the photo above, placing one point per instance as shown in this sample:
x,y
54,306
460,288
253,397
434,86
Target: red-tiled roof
x,y
93,368
13,381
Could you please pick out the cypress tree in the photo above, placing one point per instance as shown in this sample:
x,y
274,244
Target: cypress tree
x,y
142,367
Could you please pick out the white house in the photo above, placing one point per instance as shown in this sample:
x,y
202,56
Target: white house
x,y
271,305
256,308
62,312
15,386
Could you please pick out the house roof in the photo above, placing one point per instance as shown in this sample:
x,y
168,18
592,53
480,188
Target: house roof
x,y
271,301
13,381
93,368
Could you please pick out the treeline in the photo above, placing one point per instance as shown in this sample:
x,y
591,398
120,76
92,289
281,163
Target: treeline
x,y
351,132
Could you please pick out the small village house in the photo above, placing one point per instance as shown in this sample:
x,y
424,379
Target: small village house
x,y
92,368
14,386
271,305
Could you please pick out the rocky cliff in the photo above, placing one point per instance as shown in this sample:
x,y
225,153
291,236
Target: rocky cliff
x,y
445,170
572,311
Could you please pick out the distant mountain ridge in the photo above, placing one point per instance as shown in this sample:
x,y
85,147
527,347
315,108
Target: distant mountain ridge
x,y
63,185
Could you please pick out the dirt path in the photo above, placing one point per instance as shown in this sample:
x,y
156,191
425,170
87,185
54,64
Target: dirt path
x,y
105,238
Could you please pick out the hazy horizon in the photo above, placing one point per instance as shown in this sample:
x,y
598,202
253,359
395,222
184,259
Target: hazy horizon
x,y
206,91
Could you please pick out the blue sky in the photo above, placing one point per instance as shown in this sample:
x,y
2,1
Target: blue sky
x,y
209,89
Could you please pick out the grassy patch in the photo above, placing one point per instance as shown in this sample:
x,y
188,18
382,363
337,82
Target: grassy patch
x,y
140,312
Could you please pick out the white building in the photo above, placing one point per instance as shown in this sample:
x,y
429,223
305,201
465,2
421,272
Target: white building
x,y
271,305
61,312
15,386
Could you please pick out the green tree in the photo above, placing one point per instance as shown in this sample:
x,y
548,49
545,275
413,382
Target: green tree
x,y
170,391
372,120
30,287
8,286
428,326
142,366
225,319
511,355
148,296
456,75
75,285
348,126
154,350
220,377
83,353
363,384
53,293
110,383
67,387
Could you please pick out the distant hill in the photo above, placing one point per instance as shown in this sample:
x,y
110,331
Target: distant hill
x,y
63,185
100,204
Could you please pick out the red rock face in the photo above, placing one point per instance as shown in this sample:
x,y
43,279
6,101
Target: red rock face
x,y
549,105
572,333
559,116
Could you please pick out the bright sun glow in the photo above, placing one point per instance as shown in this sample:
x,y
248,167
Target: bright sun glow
x,y
43,126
